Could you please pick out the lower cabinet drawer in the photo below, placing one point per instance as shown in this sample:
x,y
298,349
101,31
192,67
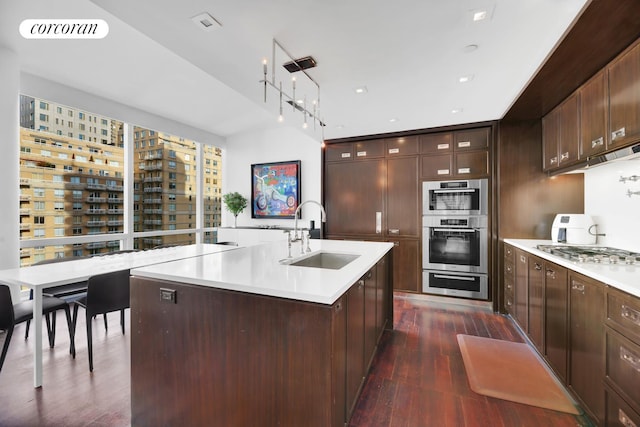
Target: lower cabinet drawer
x,y
623,365
618,412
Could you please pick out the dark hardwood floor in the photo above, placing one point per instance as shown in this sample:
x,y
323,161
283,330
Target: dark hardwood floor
x,y
417,379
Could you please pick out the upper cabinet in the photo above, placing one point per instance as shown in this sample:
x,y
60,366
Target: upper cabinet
x,y
600,116
458,154
560,130
594,109
624,98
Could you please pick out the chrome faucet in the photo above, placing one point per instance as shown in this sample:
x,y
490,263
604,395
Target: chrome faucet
x,y
295,224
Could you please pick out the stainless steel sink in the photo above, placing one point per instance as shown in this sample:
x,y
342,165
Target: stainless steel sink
x,y
331,260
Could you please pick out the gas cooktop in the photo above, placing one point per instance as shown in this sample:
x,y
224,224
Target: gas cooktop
x,y
593,254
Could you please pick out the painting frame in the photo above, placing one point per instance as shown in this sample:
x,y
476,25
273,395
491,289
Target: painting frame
x,y
275,189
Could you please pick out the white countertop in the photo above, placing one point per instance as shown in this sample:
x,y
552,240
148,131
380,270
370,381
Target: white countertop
x,y
48,275
620,276
256,269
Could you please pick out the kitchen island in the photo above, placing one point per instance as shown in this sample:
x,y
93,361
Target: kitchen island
x,y
245,338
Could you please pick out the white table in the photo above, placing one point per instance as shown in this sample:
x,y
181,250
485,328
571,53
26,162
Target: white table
x,y
44,276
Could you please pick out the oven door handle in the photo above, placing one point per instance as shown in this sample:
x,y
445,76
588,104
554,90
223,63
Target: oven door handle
x,y
456,190
442,276
458,230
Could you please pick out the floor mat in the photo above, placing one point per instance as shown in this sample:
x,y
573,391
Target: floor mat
x,y
512,371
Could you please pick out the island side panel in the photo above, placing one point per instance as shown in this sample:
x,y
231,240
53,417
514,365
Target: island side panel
x,y
218,357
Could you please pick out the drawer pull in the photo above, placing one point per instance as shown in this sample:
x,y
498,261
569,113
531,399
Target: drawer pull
x,y
577,287
551,273
394,231
464,170
630,314
443,171
509,269
523,259
464,144
553,160
509,303
625,420
361,154
564,156
537,266
394,150
443,146
509,286
630,358
620,133
596,142
345,155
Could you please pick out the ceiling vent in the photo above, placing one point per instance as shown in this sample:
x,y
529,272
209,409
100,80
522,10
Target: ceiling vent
x,y
300,64
206,22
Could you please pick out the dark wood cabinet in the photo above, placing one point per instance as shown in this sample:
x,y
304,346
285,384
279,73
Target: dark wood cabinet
x,y
556,301
471,139
383,267
370,321
355,343
354,194
369,149
594,111
560,131
586,346
624,98
509,277
407,270
536,302
403,203
338,152
521,291
622,373
459,154
402,146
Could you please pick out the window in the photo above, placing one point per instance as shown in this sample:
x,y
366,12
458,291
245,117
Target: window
x,y
45,153
58,220
77,206
57,178
38,232
38,220
171,164
58,206
74,180
38,192
44,118
39,206
58,232
58,193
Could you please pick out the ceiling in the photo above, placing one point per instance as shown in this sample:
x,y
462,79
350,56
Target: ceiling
x,y
409,55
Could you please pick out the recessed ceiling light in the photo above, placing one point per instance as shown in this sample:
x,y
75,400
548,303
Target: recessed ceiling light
x,y
393,120
456,110
480,15
465,79
470,48
360,90
206,22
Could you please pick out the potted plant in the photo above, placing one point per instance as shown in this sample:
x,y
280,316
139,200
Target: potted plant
x,y
236,203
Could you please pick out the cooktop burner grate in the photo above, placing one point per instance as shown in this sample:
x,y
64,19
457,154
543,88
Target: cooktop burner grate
x,y
595,254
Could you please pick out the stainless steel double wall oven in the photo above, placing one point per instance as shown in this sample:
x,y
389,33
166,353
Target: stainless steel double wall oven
x,y
455,241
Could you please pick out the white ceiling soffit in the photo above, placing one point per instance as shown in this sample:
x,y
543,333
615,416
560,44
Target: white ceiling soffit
x,y
409,54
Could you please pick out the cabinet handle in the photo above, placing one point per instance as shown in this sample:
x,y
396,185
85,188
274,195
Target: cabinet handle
x,y
394,150
551,273
578,287
624,419
627,356
378,222
345,155
443,171
523,259
596,142
564,156
620,133
338,307
394,231
509,286
509,303
630,314
508,251
463,171
360,284
464,144
509,269
369,274
553,160
443,146
537,266
361,154
396,244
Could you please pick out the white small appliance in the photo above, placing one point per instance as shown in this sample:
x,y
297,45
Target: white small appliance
x,y
575,229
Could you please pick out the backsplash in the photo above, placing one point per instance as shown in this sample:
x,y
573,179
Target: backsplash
x,y
606,200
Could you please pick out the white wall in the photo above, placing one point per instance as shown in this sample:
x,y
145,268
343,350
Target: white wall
x,y
606,200
9,161
275,145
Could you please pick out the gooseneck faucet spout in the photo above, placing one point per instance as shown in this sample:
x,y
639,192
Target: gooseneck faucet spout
x,y
295,224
